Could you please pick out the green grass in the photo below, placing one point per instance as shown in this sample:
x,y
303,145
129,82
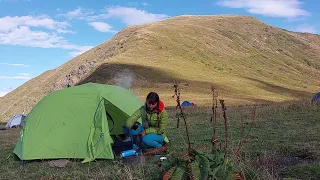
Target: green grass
x,y
284,143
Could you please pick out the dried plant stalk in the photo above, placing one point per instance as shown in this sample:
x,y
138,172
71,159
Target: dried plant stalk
x,y
225,130
177,94
214,117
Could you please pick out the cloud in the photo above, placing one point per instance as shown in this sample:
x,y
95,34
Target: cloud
x,y
44,32
25,37
145,4
64,31
24,74
14,77
74,54
102,27
306,28
4,91
20,76
133,16
17,31
79,51
79,13
128,15
8,23
271,8
22,65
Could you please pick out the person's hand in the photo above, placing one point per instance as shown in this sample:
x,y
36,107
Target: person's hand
x,y
143,133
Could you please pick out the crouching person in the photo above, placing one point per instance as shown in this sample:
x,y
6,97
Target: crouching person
x,y
154,121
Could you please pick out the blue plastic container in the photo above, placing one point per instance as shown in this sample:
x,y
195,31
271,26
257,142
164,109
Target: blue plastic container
x,y
127,153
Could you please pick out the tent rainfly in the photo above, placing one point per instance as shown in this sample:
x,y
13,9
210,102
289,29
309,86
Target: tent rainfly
x,y
76,122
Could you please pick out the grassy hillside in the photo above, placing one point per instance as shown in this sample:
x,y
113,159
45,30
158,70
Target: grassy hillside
x,y
245,59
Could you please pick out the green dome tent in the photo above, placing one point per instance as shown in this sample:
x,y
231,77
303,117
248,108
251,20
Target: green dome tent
x,y
76,122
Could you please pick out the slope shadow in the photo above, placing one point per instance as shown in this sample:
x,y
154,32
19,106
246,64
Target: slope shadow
x,y
142,77
149,77
281,90
108,71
